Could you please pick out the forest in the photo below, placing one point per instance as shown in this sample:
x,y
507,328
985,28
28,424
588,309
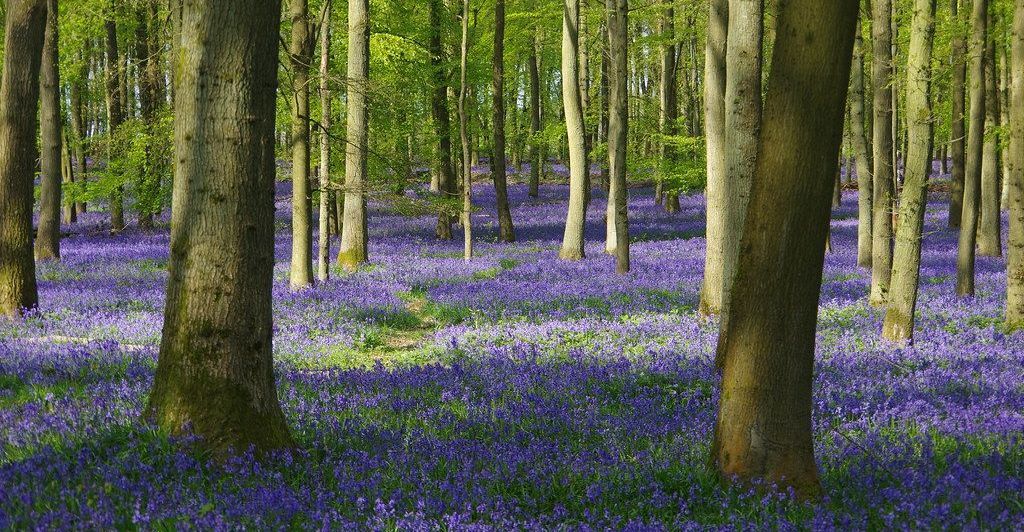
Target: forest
x,y
512,264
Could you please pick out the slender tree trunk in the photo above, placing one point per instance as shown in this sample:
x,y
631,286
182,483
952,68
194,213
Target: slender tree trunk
x,y
79,127
618,125
535,162
25,26
148,46
506,232
975,141
899,316
444,174
884,172
572,239
300,274
69,215
354,240
1015,247
742,127
47,245
714,131
115,116
215,375
1003,89
958,131
669,104
467,161
602,125
989,227
862,151
766,349
324,244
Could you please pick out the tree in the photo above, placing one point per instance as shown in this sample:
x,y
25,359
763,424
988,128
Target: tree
x,y
215,375
618,124
24,29
442,121
714,129
883,173
975,140
572,239
958,50
78,86
467,158
324,213
1015,247
115,113
354,241
899,316
742,124
535,161
766,350
506,231
862,151
47,245
300,273
669,101
990,242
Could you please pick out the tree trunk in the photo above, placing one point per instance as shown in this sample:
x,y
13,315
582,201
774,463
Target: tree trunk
x,y
148,46
862,151
883,173
1015,246
714,131
535,162
957,133
215,375
602,125
69,215
79,126
899,316
989,224
47,245
975,141
115,117
324,215
766,351
467,158
354,238
572,239
506,232
444,174
300,273
669,104
742,127
25,26
618,125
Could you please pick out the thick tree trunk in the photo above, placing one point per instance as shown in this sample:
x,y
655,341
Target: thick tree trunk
x,y
975,141
669,104
742,126
899,316
766,350
506,232
324,215
535,162
300,273
115,116
990,242
47,245
25,26
443,174
884,172
215,375
572,239
714,130
354,238
618,125
1015,246
862,151
957,132
467,162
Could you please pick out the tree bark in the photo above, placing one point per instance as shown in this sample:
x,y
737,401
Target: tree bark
x,y
899,316
148,47
535,161
354,238
884,172
862,151
506,231
572,238
467,158
618,125
766,350
115,116
958,131
25,26
669,104
1015,246
444,173
79,126
215,375
324,212
47,244
300,273
714,131
990,242
975,141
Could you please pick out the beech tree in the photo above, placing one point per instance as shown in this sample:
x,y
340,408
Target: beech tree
x,y
467,158
115,112
859,135
354,242
47,244
618,123
1015,246
766,350
714,128
323,259
215,375
958,49
975,141
883,173
990,241
300,50
572,240
506,231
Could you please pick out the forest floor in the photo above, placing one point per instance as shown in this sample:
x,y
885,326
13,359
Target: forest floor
x,y
512,391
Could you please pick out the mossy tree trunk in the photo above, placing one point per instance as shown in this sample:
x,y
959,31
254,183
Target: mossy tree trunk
x,y
354,238
444,174
957,130
883,173
975,143
47,245
990,241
